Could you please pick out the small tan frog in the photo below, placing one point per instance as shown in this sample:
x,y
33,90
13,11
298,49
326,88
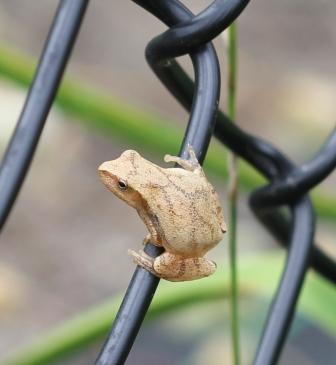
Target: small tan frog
x,y
179,206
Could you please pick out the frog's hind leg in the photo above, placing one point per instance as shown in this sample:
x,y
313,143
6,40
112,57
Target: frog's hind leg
x,y
176,268
190,165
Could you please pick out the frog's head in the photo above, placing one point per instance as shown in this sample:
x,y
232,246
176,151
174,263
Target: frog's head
x,y
123,176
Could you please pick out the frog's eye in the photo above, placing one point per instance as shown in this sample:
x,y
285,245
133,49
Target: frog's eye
x,y
122,184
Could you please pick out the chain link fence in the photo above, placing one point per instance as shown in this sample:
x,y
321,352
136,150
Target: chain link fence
x,y
283,206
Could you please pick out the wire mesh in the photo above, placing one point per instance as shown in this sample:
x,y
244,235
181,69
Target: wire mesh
x,y
288,186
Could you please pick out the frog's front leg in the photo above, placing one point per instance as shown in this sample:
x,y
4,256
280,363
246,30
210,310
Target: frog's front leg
x,y
176,268
152,237
190,165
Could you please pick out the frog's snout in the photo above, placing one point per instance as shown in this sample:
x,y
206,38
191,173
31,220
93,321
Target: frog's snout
x,y
104,171
103,167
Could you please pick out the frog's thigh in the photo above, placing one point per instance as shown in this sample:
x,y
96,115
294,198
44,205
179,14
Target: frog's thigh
x,y
174,268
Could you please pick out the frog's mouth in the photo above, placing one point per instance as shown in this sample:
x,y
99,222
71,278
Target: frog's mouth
x,y
105,176
109,179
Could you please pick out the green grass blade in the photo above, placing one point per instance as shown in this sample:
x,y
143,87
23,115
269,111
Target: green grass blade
x,y
146,131
233,196
258,275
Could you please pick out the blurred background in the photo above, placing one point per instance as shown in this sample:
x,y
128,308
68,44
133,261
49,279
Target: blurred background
x,y
64,248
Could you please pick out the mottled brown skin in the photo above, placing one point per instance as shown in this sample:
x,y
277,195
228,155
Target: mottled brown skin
x,y
179,206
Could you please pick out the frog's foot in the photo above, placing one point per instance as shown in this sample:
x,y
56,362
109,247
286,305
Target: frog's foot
x,y
176,268
192,155
190,165
143,260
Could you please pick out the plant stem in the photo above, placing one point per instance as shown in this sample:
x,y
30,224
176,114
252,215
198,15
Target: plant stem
x,y
233,181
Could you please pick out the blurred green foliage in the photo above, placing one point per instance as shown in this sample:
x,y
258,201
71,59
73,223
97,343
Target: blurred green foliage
x,y
111,117
117,119
258,275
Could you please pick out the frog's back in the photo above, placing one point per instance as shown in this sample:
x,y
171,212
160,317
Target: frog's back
x,y
192,220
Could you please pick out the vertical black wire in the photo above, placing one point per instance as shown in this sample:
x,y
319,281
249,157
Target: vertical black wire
x,y
143,284
130,315
282,310
42,92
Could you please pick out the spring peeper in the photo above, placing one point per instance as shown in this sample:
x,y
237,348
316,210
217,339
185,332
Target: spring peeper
x,y
179,206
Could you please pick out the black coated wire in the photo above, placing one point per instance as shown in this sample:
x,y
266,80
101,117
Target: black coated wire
x,y
263,156
292,278
143,285
41,95
289,185
282,309
267,160
301,179
271,162
130,315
